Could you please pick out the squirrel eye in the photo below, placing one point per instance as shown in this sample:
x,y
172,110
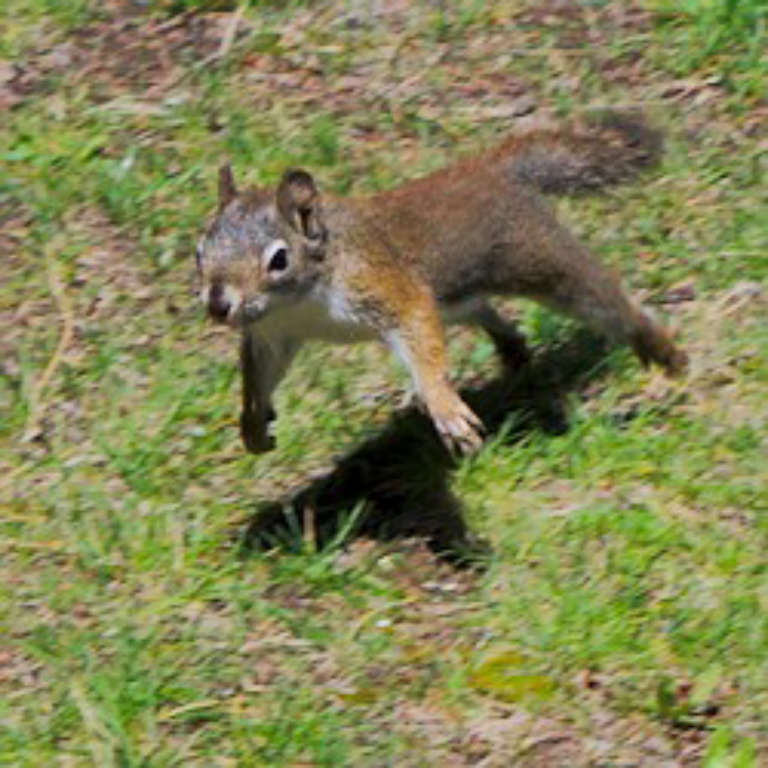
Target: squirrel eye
x,y
279,260
199,257
277,257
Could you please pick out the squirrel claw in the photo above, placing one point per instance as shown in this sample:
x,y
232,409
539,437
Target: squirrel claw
x,y
461,430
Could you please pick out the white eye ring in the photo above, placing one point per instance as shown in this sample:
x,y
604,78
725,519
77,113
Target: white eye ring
x,y
276,256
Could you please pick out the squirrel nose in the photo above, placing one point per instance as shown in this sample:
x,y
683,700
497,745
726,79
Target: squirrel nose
x,y
218,304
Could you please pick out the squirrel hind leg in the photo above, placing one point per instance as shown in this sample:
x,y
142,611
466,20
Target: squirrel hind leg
x,y
611,312
594,294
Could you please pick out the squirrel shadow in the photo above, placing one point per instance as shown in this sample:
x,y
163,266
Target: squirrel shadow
x,y
401,476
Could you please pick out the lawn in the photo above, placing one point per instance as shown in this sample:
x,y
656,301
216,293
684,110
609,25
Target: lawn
x,y
590,590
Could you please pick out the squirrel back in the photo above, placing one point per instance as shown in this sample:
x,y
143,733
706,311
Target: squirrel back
x,y
453,224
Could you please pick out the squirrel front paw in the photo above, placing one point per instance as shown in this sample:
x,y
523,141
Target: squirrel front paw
x,y
254,430
459,427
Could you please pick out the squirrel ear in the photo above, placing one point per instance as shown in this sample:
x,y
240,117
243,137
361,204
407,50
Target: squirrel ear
x,y
298,202
227,188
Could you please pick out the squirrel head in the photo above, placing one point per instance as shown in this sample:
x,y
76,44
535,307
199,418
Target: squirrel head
x,y
263,249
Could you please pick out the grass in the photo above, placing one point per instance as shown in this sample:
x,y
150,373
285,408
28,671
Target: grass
x,y
724,37
589,590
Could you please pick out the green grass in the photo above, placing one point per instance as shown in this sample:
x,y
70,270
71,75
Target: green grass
x,y
725,38
597,595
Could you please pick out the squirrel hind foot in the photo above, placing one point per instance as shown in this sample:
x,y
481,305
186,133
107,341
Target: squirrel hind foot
x,y
652,343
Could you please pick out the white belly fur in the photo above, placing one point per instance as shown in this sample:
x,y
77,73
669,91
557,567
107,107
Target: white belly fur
x,y
330,319
316,319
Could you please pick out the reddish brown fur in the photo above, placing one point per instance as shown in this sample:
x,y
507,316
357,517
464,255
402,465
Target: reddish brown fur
x,y
391,262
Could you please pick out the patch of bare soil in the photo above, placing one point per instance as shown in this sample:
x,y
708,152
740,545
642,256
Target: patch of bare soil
x,y
123,52
502,735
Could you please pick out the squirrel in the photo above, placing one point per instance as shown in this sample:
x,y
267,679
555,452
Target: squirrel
x,y
287,265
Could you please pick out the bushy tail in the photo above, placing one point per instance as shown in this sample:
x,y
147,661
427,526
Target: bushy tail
x,y
604,149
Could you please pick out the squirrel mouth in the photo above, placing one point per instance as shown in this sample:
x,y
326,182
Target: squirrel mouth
x,y
236,317
224,304
224,313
